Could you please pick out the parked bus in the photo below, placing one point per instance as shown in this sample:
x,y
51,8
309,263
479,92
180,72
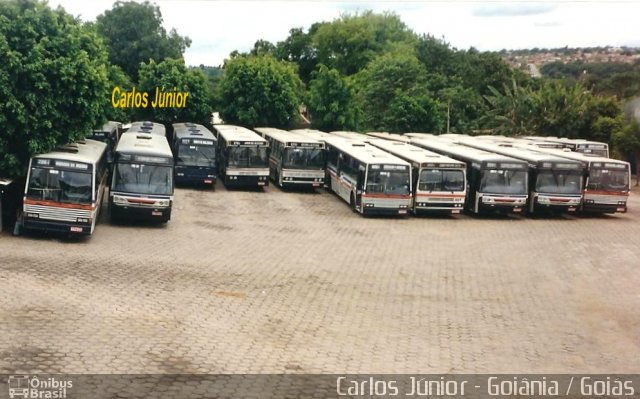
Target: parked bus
x,y
390,136
495,182
606,181
587,147
64,188
438,181
109,134
350,135
555,183
142,182
194,150
372,181
294,160
147,127
242,156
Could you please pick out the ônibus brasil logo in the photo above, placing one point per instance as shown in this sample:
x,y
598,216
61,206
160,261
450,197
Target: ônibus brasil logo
x,y
24,386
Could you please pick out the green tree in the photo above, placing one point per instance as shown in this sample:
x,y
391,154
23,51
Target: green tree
x,y
260,91
170,74
332,101
509,111
263,47
349,43
627,141
117,78
413,112
134,34
298,48
53,81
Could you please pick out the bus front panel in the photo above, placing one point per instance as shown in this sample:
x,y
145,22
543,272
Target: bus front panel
x,y
142,188
387,190
246,166
196,162
303,165
607,188
440,190
556,188
501,188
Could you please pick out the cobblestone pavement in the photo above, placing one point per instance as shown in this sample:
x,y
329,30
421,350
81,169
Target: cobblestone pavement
x,y
289,282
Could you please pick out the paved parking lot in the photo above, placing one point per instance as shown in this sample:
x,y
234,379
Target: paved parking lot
x,y
273,282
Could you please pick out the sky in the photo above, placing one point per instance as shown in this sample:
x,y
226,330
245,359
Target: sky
x,y
217,27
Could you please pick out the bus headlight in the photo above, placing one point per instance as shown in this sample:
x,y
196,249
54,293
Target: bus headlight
x,y
164,202
403,207
83,220
119,200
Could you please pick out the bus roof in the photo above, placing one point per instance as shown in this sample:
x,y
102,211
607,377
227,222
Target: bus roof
x,y
311,133
85,151
190,130
285,136
461,152
513,150
238,133
147,127
364,152
390,136
578,156
110,126
144,144
413,153
349,135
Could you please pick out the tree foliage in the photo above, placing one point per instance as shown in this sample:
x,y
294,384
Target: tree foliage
x,y
259,91
331,101
134,34
170,74
53,81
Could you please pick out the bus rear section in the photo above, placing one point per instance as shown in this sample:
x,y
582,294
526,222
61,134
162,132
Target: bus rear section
x,y
294,161
194,150
242,157
142,182
372,181
64,189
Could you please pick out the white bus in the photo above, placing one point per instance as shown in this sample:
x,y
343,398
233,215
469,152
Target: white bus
x,y
65,188
587,147
606,181
242,156
142,183
495,183
439,181
372,181
294,160
555,183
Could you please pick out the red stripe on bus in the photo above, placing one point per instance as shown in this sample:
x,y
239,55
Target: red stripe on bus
x,y
141,201
58,204
401,196
441,195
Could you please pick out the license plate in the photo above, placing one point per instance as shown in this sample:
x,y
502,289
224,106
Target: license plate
x,y
76,229
517,209
455,211
620,210
572,209
261,183
402,211
208,181
316,184
156,213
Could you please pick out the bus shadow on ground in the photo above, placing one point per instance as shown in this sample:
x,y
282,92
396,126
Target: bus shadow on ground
x,y
62,238
196,187
260,189
299,189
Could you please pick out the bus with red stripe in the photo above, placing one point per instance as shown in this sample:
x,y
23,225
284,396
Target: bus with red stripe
x,y
65,188
369,179
439,181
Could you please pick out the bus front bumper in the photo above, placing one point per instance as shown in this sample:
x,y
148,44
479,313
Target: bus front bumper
x,y
552,202
594,207
501,204
54,226
160,214
246,181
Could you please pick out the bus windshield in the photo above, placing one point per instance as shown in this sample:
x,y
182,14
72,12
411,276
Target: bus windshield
x,y
196,155
60,186
387,181
441,180
608,180
559,182
503,181
248,157
141,178
303,158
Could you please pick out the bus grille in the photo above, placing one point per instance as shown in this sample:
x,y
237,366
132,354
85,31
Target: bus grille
x,y
54,213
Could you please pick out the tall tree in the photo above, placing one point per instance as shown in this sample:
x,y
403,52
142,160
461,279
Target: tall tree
x,y
260,91
134,34
53,81
332,101
169,75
